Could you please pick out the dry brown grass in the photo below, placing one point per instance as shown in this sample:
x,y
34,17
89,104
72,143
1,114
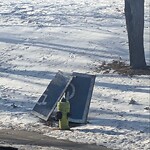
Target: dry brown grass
x,y
121,68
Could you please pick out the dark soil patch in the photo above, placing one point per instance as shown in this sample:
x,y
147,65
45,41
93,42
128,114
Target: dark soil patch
x,y
121,68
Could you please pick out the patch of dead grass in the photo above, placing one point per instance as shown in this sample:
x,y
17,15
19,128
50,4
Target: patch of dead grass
x,y
121,68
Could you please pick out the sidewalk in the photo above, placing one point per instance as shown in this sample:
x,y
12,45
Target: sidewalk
x,y
34,138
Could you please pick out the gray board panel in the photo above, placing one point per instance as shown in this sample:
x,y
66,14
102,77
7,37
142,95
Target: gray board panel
x,y
53,93
80,102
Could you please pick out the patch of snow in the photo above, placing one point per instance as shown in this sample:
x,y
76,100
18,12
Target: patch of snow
x,y
40,37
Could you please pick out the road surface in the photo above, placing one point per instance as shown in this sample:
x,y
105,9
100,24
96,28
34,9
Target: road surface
x,y
34,138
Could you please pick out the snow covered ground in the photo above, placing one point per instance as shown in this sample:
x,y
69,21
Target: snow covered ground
x,y
40,37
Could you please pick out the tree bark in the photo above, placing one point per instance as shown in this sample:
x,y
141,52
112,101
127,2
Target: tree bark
x,y
134,14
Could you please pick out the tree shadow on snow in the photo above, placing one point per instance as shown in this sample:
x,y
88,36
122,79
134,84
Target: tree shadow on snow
x,y
121,122
29,73
123,87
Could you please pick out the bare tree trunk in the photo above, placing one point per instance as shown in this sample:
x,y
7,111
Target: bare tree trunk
x,y
134,13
